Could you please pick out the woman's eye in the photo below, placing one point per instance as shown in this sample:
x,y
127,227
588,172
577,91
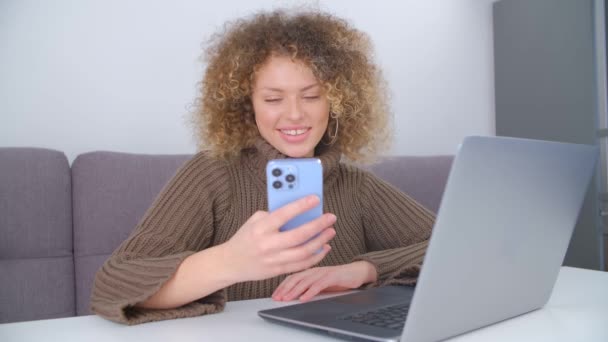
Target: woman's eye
x,y
271,100
315,97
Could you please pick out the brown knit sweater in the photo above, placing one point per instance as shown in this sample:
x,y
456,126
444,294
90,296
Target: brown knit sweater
x,y
208,200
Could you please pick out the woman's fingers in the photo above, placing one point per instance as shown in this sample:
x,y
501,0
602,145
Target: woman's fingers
x,y
307,284
304,251
290,282
267,226
308,254
308,262
304,284
279,217
305,232
301,236
315,289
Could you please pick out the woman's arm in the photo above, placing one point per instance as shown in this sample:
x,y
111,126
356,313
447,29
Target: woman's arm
x,y
186,285
177,225
397,230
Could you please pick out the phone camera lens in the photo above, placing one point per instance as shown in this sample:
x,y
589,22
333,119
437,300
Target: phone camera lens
x,y
277,184
276,172
290,178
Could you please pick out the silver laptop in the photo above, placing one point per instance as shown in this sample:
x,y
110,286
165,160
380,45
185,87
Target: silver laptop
x,y
501,234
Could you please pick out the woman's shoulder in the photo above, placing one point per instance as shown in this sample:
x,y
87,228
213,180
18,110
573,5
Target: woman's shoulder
x,y
205,160
205,167
362,175
354,170
357,176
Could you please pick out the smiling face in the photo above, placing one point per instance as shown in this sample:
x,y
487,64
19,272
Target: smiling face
x,y
291,109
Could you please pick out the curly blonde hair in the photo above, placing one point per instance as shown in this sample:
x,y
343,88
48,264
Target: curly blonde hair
x,y
339,56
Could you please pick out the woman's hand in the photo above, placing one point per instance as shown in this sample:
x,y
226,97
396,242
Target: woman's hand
x,y
260,251
307,284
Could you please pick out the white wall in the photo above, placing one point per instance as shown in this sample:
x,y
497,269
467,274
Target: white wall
x,y
79,76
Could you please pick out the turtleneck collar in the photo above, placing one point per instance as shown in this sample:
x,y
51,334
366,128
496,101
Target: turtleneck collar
x,y
259,155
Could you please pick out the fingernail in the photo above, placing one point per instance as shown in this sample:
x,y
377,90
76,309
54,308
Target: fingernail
x,y
313,199
331,218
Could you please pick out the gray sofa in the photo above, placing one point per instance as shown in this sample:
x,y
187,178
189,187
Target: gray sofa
x,y
59,223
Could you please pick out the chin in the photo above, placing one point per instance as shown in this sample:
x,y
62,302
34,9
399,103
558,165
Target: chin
x,y
297,153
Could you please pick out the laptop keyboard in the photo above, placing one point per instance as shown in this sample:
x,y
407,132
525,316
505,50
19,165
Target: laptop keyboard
x,y
391,317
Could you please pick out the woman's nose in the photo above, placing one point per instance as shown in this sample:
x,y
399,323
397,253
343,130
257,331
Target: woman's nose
x,y
294,110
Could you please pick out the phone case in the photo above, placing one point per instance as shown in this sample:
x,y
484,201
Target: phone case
x,y
290,179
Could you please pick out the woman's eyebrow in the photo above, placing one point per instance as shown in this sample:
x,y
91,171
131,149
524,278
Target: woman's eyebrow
x,y
301,89
309,86
272,89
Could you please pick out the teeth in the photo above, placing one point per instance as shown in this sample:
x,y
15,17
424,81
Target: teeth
x,y
294,131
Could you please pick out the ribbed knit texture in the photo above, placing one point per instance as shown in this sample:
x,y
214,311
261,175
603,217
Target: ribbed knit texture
x,y
208,200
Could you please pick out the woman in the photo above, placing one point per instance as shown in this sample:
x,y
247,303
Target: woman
x,y
277,85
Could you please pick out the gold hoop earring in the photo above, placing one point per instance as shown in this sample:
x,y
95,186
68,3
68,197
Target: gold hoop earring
x,y
335,135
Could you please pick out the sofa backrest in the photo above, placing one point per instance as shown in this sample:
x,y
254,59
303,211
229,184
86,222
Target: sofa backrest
x,y
421,177
36,264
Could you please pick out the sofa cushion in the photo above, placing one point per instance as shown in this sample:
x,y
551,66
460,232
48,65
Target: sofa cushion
x,y
111,193
35,235
36,288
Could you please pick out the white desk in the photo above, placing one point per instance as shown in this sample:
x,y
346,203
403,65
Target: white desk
x,y
577,311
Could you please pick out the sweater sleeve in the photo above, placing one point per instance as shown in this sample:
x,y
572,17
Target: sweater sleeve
x,y
397,231
179,223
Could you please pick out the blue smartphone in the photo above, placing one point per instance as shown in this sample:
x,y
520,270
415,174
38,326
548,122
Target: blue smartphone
x,y
290,179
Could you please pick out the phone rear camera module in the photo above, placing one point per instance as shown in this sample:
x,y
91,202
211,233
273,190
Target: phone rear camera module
x,y
276,184
276,172
290,178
